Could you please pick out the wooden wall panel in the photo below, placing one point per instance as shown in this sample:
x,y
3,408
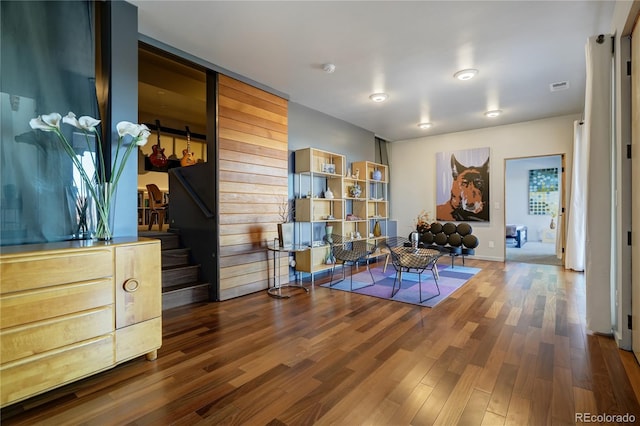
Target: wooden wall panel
x,y
253,180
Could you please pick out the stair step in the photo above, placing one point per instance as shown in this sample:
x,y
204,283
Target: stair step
x,y
181,283
168,240
185,294
180,275
175,257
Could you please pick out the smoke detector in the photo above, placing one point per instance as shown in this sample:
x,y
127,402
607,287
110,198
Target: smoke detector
x,y
560,85
328,68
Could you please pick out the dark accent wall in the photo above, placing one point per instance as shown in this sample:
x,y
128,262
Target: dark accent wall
x,y
123,106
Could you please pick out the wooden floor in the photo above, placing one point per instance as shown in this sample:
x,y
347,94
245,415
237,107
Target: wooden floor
x,y
510,347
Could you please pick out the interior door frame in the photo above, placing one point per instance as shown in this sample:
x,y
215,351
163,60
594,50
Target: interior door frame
x,y
560,222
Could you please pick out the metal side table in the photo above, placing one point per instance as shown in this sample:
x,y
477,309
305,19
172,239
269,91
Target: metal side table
x,y
276,290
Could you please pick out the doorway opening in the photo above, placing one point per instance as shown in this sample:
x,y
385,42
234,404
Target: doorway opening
x,y
534,204
172,103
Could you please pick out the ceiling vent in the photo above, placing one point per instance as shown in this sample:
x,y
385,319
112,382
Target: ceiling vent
x,y
560,85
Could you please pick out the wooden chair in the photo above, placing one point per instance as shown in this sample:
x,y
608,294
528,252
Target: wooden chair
x,y
157,207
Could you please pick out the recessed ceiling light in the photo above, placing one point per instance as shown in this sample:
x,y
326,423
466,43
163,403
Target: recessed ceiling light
x,y
493,113
467,74
379,97
424,125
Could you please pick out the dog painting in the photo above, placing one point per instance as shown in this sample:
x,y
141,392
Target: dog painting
x,y
463,185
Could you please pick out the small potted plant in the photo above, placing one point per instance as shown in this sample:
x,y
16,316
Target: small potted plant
x,y
423,222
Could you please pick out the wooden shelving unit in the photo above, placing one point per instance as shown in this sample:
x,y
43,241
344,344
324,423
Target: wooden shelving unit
x,y
375,193
355,225
351,214
317,171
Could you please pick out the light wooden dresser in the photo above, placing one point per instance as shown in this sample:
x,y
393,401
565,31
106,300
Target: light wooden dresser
x,y
74,308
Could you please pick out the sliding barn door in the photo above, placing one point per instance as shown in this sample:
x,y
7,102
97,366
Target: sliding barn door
x,y
253,184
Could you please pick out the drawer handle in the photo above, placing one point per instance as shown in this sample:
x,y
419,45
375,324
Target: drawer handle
x,y
131,285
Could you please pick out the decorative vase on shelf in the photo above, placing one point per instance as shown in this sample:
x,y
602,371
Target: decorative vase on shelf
x,y
376,175
328,258
328,230
355,191
328,194
376,230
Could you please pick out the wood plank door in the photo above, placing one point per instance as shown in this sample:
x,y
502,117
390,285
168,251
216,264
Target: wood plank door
x,y
253,161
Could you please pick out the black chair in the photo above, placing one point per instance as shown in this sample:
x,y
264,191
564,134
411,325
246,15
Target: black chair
x,y
350,252
406,258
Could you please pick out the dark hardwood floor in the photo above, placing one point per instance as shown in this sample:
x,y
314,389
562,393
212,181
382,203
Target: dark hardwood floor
x,y
510,347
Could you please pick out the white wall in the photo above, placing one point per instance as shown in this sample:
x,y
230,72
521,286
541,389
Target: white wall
x,y
412,170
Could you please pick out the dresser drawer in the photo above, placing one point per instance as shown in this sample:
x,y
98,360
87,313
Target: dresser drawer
x,y
36,305
25,272
24,378
42,336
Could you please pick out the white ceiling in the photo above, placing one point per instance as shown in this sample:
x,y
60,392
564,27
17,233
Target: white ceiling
x,y
409,50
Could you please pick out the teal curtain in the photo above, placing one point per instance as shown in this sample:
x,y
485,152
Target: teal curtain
x,y
47,64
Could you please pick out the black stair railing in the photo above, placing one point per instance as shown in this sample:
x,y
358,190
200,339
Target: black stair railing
x,y
193,213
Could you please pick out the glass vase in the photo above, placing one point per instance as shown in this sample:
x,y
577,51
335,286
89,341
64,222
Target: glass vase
x,y
83,212
105,210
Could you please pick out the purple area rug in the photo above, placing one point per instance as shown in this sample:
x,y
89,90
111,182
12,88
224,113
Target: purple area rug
x,y
450,280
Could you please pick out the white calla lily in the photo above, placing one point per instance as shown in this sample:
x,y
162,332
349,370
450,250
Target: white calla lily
x,y
38,124
52,119
46,123
97,178
127,128
71,119
83,123
88,123
143,136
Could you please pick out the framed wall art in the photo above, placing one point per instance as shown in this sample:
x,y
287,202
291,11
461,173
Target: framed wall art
x,y
543,191
462,185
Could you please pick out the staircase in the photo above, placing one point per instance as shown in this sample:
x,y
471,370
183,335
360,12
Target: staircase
x,y
181,284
